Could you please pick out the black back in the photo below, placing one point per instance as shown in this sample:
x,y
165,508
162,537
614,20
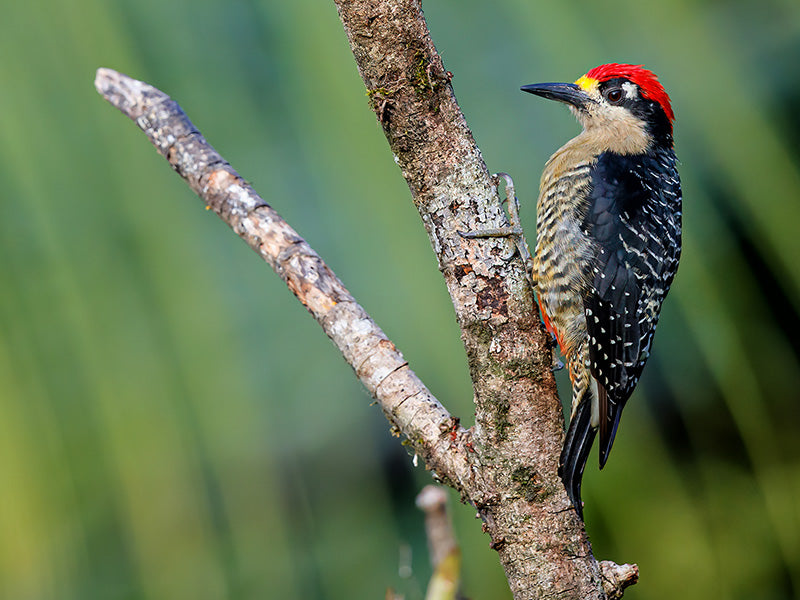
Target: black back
x,y
634,214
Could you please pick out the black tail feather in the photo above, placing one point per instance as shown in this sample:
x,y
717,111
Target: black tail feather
x,y
607,439
580,436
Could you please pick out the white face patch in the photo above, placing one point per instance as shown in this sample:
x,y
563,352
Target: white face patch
x,y
631,90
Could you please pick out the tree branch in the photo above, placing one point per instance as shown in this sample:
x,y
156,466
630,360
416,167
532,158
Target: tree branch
x,y
444,552
506,466
407,403
518,419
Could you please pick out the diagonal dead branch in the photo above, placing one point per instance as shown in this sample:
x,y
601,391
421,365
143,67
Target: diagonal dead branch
x,y
407,403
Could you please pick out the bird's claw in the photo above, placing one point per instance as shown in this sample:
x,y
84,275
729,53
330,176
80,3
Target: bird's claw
x,y
514,231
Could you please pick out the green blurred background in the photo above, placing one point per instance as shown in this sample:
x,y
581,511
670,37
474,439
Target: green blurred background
x,y
174,425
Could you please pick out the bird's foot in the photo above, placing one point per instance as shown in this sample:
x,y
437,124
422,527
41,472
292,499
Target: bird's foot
x,y
514,231
557,364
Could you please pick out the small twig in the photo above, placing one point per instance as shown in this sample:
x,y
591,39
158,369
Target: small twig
x,y
617,577
444,551
432,500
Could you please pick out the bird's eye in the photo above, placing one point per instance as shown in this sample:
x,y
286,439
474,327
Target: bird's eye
x,y
614,95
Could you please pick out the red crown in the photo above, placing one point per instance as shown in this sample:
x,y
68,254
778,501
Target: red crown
x,y
645,79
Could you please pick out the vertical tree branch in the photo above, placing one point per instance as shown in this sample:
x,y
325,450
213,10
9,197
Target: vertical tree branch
x,y
519,424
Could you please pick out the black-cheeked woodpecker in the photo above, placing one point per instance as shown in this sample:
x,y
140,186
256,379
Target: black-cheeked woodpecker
x,y
607,248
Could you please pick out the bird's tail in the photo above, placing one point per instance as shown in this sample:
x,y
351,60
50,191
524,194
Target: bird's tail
x,y
575,452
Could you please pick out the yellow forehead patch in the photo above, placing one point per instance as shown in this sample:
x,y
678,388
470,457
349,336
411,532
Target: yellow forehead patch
x,y
587,84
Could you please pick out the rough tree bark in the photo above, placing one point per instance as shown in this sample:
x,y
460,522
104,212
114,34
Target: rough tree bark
x,y
518,421
506,466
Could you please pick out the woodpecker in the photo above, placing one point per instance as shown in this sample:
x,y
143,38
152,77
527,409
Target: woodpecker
x,y
608,242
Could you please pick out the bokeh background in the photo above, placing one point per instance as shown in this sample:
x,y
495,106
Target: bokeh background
x,y
174,425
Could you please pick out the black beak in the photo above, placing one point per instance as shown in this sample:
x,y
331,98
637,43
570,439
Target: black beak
x,y
563,92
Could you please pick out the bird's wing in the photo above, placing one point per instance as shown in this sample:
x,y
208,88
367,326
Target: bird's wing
x,y
634,217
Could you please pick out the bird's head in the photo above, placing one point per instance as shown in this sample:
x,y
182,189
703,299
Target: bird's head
x,y
626,101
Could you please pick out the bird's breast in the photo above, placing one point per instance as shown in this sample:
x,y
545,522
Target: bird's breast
x,y
563,249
